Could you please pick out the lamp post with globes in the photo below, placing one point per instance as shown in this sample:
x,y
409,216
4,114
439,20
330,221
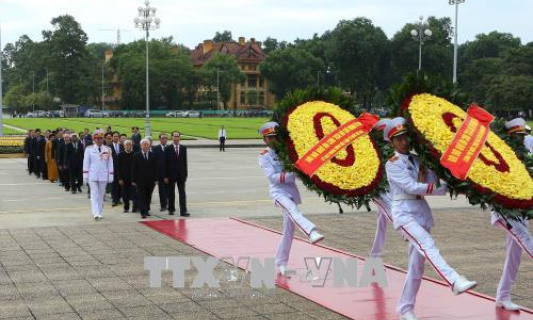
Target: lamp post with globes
x,y
421,34
147,21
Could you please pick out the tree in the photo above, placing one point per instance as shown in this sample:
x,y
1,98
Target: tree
x,y
511,93
476,78
290,69
229,74
223,37
358,52
492,45
269,45
68,58
170,69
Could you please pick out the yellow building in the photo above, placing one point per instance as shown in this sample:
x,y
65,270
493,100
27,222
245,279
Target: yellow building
x,y
249,55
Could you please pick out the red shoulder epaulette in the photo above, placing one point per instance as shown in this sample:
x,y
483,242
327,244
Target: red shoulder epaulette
x,y
394,158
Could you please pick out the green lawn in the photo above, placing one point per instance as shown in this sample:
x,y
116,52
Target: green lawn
x,y
9,131
237,128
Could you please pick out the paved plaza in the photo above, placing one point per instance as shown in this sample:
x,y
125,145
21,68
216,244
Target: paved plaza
x,y
56,262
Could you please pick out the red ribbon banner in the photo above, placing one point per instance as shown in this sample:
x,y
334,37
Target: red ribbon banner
x,y
334,142
467,143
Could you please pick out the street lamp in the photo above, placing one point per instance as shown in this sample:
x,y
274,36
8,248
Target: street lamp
x,y
456,3
146,21
421,35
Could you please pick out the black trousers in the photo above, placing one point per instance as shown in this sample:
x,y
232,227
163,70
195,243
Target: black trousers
x,y
222,141
144,197
37,166
172,196
163,193
30,164
115,190
129,192
75,174
65,179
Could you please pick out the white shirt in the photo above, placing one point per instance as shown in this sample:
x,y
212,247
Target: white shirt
x,y
281,183
528,142
402,174
98,165
222,133
117,148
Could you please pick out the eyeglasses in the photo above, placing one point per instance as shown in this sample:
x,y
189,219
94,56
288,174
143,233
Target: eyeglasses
x,y
176,136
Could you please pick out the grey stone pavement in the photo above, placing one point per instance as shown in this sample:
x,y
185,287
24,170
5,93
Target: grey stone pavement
x,y
58,263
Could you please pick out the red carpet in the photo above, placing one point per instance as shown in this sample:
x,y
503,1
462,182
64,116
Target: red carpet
x,y
228,237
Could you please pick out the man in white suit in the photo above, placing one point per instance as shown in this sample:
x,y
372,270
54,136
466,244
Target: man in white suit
x,y
98,172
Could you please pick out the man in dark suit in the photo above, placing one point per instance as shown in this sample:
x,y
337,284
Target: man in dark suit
x,y
125,162
63,170
176,173
116,149
136,139
28,151
38,152
144,176
74,162
159,152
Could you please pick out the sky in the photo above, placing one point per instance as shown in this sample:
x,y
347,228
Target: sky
x,y
191,21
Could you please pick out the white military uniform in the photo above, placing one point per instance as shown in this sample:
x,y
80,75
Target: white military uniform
x,y
412,217
98,172
285,194
383,203
518,238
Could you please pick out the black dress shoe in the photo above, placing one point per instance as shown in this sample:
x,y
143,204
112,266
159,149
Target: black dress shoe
x,y
79,189
185,214
126,210
114,204
163,208
148,214
143,217
171,212
74,191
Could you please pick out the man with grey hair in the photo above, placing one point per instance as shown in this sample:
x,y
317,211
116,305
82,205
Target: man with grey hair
x,y
63,170
144,176
124,167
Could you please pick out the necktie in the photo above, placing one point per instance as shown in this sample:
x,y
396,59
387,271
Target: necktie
x,y
146,156
177,151
99,150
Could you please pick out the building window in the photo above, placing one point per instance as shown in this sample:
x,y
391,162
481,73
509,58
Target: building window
x,y
243,98
261,82
252,82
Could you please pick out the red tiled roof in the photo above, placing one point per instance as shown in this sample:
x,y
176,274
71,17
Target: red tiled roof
x,y
248,52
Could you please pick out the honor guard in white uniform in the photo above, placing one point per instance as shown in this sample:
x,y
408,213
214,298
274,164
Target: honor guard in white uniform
x,y
528,139
98,172
383,203
409,182
518,238
285,194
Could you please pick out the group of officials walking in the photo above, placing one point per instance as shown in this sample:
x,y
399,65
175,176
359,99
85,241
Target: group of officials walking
x,y
109,162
